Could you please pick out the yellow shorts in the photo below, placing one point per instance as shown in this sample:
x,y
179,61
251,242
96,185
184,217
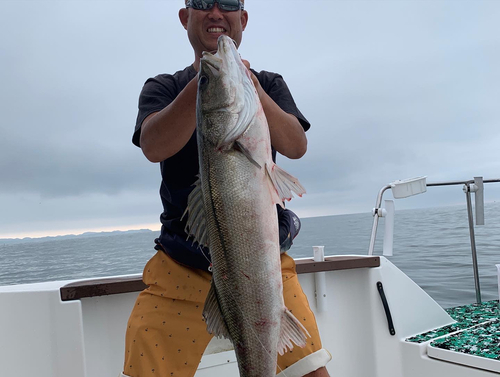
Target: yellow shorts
x,y
166,333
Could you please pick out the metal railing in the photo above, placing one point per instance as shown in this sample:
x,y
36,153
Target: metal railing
x,y
475,186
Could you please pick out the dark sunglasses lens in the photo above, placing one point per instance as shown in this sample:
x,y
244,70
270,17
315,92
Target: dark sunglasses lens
x,y
229,5
202,4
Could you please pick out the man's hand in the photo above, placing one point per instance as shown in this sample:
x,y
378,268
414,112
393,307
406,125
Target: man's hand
x,y
255,80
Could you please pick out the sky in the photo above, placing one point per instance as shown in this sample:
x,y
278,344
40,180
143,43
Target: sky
x,y
393,90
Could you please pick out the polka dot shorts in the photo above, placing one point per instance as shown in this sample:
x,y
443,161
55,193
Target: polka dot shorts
x,y
166,333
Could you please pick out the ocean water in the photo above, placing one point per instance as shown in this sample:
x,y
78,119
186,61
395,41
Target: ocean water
x,y
432,246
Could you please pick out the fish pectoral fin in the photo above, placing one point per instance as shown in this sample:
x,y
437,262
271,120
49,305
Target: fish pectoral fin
x,y
284,183
241,148
196,225
291,331
213,315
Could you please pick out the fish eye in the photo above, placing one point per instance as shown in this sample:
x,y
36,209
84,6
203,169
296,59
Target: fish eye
x,y
203,80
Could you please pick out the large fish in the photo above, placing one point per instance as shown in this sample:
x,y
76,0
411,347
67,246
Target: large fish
x,y
232,210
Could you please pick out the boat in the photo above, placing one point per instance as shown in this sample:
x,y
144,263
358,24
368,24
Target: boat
x,y
374,320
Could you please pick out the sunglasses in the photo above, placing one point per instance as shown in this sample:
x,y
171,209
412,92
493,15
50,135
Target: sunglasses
x,y
228,5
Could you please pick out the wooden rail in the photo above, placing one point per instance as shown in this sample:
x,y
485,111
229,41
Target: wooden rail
x,y
113,286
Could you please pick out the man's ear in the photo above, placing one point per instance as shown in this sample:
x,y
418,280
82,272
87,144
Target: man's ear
x,y
183,17
244,19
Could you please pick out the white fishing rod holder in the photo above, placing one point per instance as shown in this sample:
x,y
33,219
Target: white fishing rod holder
x,y
320,281
409,187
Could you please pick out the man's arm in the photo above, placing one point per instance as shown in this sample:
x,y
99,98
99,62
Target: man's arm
x,y
287,135
165,132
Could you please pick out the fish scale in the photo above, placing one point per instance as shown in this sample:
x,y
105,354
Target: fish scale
x,y
232,210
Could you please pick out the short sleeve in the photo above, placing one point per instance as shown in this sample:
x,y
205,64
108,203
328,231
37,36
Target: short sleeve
x,y
157,93
275,86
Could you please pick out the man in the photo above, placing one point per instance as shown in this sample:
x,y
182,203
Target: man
x,y
166,334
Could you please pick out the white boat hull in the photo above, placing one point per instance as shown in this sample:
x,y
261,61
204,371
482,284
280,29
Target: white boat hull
x,y
42,336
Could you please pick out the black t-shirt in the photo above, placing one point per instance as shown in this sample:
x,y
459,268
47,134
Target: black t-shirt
x,y
179,171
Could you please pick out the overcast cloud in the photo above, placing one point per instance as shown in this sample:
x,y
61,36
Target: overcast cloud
x,y
393,90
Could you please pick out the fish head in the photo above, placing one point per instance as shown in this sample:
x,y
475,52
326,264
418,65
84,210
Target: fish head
x,y
227,99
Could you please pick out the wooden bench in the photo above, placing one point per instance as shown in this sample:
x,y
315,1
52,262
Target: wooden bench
x,y
113,286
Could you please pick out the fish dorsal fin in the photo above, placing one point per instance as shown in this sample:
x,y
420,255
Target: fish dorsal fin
x,y
246,114
196,225
291,331
213,316
284,183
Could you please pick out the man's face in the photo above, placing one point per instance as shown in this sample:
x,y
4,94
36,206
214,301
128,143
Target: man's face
x,y
205,26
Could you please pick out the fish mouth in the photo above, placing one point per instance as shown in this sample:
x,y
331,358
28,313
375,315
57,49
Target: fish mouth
x,y
226,47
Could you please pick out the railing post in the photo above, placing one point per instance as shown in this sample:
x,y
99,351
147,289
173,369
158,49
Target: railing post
x,y
376,215
473,242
